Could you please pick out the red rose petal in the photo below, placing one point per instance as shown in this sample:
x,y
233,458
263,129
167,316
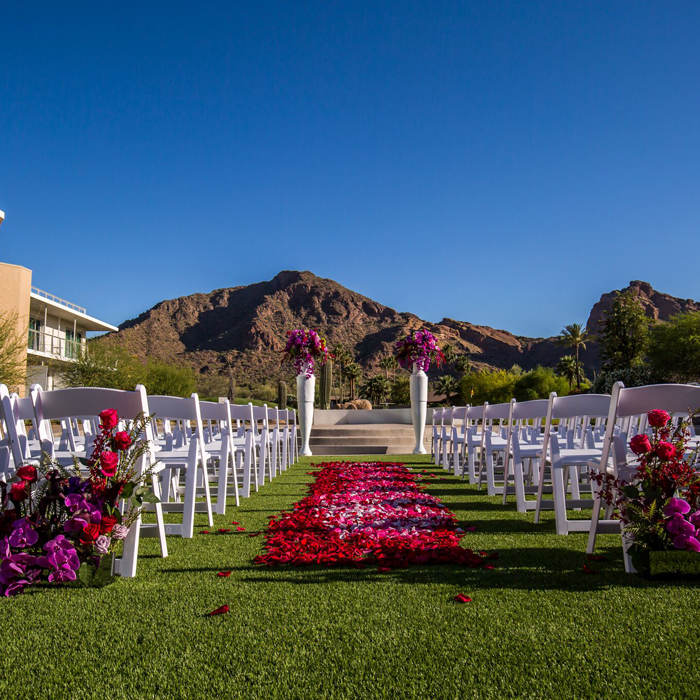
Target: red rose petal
x,y
223,530
234,522
597,557
489,567
240,529
224,574
383,569
461,598
204,532
588,570
219,611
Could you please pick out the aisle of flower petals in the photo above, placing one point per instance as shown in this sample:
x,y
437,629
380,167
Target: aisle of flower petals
x,y
367,513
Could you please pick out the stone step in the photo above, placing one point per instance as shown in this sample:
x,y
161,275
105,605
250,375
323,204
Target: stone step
x,y
339,450
359,439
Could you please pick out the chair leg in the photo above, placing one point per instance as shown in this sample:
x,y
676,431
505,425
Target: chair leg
x,y
155,486
221,492
559,491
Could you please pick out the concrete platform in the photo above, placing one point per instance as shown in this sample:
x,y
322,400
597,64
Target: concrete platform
x,y
367,439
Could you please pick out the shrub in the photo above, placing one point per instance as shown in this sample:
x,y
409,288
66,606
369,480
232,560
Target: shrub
x,y
674,348
640,375
539,384
494,386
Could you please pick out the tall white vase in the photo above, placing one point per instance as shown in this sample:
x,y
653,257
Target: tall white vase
x,y
419,406
305,402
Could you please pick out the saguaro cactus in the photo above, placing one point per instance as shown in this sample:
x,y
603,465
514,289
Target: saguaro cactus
x,y
282,394
326,384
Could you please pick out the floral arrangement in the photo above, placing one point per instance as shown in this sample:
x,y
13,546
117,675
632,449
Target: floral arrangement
x,y
658,496
367,513
60,526
419,348
303,348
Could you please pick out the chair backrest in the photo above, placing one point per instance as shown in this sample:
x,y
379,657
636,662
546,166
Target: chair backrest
x,y
87,401
638,401
185,410
497,411
217,412
530,410
476,413
578,405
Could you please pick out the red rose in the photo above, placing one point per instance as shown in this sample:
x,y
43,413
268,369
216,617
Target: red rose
x,y
107,523
90,533
665,450
658,418
109,461
640,444
18,492
122,441
27,473
109,419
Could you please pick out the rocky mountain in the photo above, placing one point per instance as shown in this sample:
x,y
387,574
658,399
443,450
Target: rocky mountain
x,y
657,306
248,324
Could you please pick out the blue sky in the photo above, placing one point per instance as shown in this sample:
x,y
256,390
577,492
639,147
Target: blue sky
x,y
503,163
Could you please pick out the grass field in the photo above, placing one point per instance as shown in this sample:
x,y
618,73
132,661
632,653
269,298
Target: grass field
x,y
537,627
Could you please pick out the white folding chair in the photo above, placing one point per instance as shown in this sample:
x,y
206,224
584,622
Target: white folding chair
x,y
625,406
191,459
62,403
494,445
569,463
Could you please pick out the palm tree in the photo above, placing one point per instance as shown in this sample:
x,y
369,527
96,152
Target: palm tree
x,y
574,336
463,364
353,372
449,353
375,389
566,367
389,363
445,385
342,358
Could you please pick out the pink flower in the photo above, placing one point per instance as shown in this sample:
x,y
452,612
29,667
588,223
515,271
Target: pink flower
x,y
678,525
109,461
640,444
119,532
676,506
109,419
658,418
665,450
102,544
686,542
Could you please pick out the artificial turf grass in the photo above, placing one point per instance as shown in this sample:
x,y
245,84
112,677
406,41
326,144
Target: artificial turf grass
x,y
537,627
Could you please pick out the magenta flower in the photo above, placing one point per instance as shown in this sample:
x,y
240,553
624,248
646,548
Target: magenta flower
x,y
678,525
687,542
23,537
676,505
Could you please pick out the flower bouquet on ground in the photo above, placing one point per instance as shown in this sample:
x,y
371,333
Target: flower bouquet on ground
x,y
419,348
303,349
657,497
61,525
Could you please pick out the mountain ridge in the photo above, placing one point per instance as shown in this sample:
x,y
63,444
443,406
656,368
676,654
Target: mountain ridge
x,y
248,323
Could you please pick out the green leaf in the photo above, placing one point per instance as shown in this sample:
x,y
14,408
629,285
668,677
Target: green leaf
x,y
149,497
128,490
85,462
630,491
86,573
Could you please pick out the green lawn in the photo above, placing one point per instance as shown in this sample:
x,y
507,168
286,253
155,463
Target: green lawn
x,y
537,627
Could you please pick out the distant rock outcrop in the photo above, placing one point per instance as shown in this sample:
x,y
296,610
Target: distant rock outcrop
x,y
657,305
248,324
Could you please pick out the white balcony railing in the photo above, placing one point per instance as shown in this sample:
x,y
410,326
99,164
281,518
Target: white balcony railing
x,y
53,346
58,300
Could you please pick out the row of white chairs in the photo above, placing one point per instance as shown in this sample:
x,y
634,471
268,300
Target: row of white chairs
x,y
195,448
533,449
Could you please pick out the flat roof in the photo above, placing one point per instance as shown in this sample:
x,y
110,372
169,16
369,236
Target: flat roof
x,y
69,313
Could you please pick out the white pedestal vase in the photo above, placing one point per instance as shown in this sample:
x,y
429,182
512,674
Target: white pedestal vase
x,y
305,402
419,406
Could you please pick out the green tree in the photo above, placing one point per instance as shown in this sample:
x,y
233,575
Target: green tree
x,y
13,346
165,379
342,359
674,348
574,336
389,364
566,367
376,389
102,364
401,391
625,332
494,386
353,372
539,383
446,385
449,353
463,364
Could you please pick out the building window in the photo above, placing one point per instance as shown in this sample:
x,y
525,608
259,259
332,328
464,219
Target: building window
x,y
34,334
73,343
